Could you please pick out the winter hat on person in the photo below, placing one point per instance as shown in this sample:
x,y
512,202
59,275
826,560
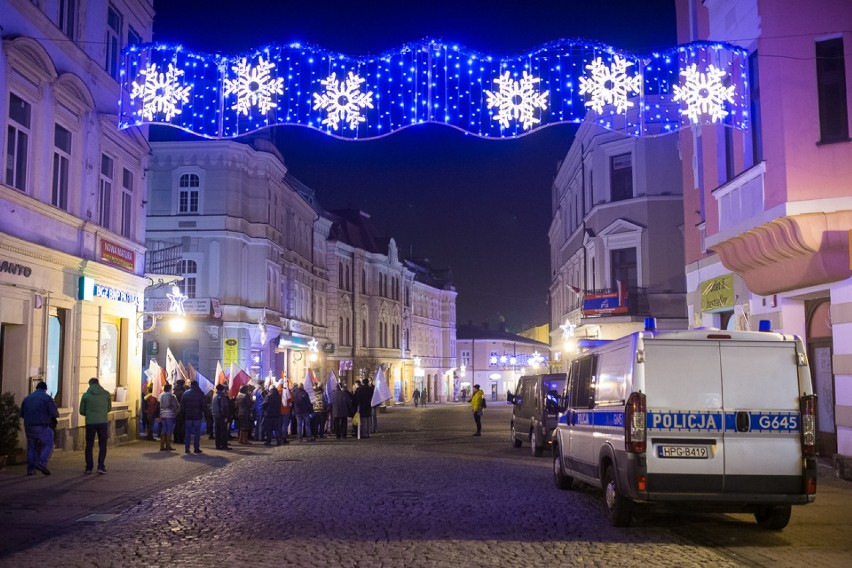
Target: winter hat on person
x,y
41,385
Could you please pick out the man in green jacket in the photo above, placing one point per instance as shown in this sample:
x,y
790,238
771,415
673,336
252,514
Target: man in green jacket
x,y
95,406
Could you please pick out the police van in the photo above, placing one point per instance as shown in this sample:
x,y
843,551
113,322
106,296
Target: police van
x,y
722,418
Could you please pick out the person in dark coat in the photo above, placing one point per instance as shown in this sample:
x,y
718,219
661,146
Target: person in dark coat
x,y
272,417
364,399
180,388
221,417
39,412
244,406
303,406
192,407
339,411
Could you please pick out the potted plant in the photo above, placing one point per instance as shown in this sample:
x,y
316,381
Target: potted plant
x,y
10,425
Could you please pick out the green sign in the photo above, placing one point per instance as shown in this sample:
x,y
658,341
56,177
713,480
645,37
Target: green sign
x,y
717,294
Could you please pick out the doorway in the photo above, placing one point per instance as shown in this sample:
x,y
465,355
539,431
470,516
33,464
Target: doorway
x,y
820,352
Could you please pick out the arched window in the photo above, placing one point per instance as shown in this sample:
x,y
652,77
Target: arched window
x,y
188,187
188,269
347,332
348,280
363,281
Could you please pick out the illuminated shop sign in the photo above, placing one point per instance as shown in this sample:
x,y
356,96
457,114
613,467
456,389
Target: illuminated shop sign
x,y
118,255
89,290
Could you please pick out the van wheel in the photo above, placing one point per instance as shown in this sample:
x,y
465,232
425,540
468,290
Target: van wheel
x,y
560,480
536,449
619,507
515,442
773,518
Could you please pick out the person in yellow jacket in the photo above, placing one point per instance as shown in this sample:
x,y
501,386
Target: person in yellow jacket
x,y
476,405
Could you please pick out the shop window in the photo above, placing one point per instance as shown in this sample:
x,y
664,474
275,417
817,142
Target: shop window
x,y
55,354
108,356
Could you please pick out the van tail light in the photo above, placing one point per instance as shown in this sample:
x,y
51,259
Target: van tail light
x,y
634,423
807,406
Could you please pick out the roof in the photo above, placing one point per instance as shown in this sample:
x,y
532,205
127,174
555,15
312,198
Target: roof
x,y
353,227
472,332
433,277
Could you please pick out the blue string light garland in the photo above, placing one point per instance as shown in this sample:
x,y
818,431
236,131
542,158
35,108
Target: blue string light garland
x,y
432,81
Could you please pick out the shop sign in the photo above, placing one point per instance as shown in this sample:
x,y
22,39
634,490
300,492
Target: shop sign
x,y
717,293
117,255
328,347
89,290
191,306
232,352
15,269
298,326
292,342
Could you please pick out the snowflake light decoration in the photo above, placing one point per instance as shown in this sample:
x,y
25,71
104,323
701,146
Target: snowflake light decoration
x,y
254,86
160,93
517,100
343,100
703,93
610,85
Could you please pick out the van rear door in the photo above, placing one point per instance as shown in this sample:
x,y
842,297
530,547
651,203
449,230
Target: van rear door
x,y
760,385
685,417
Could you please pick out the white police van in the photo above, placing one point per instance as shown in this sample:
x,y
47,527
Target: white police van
x,y
722,418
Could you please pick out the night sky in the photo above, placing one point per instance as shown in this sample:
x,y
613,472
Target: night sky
x,y
479,207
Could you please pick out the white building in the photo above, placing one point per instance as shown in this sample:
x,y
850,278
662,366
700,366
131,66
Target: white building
x,y
250,246
71,204
616,237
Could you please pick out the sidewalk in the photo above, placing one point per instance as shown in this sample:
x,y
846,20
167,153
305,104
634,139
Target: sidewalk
x,y
33,508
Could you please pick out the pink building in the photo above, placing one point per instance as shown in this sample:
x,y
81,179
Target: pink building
x,y
768,211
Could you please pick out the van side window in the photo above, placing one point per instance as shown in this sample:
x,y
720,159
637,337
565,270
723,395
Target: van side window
x,y
613,372
580,385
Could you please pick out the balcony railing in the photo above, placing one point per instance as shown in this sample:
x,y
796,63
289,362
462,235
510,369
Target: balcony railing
x,y
606,302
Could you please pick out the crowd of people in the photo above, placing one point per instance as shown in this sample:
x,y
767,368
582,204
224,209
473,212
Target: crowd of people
x,y
258,413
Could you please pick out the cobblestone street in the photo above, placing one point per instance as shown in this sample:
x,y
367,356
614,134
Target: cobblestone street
x,y
421,492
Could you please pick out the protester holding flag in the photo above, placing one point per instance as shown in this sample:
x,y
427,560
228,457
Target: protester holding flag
x,y
180,388
286,409
319,418
192,408
258,396
272,417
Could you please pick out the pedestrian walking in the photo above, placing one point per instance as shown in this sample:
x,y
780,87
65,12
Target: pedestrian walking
x,y
477,403
272,417
193,406
244,406
303,407
38,409
169,407
95,405
416,397
221,417
339,411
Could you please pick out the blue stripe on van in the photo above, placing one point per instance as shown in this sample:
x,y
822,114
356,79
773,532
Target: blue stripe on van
x,y
690,421
611,418
765,421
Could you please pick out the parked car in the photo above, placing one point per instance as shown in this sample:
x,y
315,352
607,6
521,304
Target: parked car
x,y
536,409
702,417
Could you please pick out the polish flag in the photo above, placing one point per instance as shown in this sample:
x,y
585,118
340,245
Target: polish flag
x,y
220,379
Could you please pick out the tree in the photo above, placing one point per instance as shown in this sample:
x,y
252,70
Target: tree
x,y
366,366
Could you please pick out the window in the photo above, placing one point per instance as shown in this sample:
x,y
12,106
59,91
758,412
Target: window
x,y
580,383
188,185
126,202
105,191
17,142
465,358
55,354
61,166
347,332
613,370
108,356
621,177
340,331
831,87
623,268
113,41
189,270
363,281
756,124
67,17
133,37
340,275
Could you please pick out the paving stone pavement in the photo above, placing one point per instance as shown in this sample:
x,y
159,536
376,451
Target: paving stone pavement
x,y
421,492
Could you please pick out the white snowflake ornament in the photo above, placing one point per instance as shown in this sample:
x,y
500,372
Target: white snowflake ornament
x,y
254,86
343,100
610,85
704,93
160,93
517,100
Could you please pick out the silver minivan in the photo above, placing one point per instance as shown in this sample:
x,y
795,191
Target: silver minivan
x,y
535,410
719,418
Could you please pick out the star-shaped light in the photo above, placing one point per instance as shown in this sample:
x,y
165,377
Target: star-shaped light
x,y
567,330
313,345
177,299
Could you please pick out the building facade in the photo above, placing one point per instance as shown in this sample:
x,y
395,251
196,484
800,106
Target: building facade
x,y
249,244
616,238
71,202
767,211
496,359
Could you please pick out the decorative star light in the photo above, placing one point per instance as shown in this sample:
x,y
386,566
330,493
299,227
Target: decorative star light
x,y
517,100
313,345
177,299
254,86
567,330
610,85
703,93
343,100
160,93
